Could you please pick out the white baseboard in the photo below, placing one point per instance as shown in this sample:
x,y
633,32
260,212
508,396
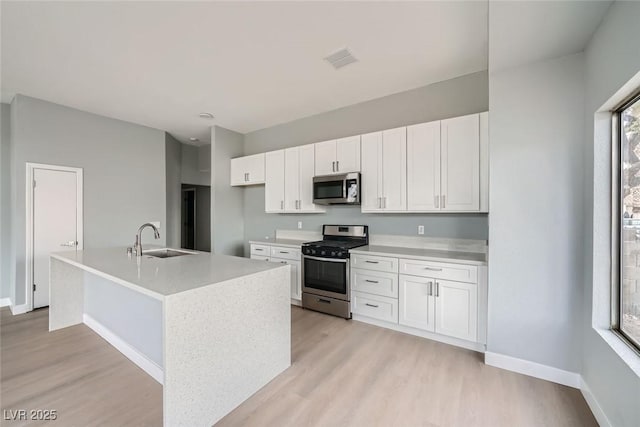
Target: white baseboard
x,y
533,369
146,364
5,302
595,407
19,309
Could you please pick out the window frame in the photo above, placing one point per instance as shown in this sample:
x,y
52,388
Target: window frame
x,y
616,223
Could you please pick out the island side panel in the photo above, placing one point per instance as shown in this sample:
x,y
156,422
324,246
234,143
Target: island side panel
x,y
224,342
66,294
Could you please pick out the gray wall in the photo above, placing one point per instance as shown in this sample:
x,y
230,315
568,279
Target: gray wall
x,y
5,201
535,225
463,95
227,203
191,166
173,173
612,58
124,172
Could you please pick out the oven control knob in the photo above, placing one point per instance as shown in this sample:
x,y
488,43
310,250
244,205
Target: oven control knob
x,y
323,252
313,251
339,254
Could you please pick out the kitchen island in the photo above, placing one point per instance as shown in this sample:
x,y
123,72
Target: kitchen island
x,y
213,329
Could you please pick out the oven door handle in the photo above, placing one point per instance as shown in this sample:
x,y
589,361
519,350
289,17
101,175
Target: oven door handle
x,y
344,261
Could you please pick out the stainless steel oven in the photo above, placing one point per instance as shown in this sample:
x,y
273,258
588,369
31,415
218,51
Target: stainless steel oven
x,y
325,269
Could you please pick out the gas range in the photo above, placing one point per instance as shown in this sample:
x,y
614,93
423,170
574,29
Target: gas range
x,y
325,269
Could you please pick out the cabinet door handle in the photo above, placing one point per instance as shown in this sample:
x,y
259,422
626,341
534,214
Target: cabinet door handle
x,y
337,165
283,262
371,281
437,201
248,176
433,269
384,204
371,305
380,202
437,289
281,204
430,290
372,262
443,198
333,166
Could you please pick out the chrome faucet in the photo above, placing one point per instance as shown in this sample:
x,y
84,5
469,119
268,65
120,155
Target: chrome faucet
x,y
137,247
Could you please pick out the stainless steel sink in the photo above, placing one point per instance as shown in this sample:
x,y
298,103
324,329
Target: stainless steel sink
x,y
166,253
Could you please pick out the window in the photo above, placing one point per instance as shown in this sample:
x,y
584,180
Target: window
x,y
626,308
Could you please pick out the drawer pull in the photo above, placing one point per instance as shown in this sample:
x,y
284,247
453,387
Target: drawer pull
x,y
371,281
326,301
433,269
371,305
284,252
259,250
372,262
283,262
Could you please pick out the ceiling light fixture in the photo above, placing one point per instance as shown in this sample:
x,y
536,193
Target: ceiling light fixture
x,y
206,115
340,58
194,139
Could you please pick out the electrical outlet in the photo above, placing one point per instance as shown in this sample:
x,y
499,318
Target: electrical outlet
x,y
299,225
421,229
156,223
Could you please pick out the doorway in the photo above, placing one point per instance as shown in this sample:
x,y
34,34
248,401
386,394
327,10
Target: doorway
x,y
54,223
196,217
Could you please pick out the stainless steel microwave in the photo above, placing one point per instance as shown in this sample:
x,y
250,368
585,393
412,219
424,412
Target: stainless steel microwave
x,y
340,189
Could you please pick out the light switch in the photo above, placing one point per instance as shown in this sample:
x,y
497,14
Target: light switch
x,y
421,229
299,225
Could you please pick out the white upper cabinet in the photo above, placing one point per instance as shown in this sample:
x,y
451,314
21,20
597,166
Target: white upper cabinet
x,y
461,163
289,181
337,156
248,170
384,171
274,182
448,165
423,167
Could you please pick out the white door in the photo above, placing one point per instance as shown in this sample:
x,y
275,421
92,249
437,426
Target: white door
x,y
423,167
348,154
457,309
394,169
291,180
461,164
274,182
306,156
325,158
371,185
416,302
55,224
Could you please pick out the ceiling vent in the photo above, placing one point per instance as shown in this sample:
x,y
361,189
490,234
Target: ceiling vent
x,y
340,58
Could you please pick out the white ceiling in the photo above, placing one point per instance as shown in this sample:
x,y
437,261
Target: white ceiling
x,y
257,64
252,65
522,32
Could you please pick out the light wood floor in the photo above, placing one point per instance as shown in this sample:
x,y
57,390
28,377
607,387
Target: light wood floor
x,y
344,373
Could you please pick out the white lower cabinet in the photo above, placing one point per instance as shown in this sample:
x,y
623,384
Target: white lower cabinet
x,y
440,306
456,308
282,255
375,306
416,302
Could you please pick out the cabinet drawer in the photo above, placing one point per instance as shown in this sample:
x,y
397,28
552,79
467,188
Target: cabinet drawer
x,y
375,282
440,270
260,249
377,307
260,257
376,263
286,253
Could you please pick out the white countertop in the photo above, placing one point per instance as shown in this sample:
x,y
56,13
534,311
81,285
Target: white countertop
x,y
160,277
423,254
289,243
